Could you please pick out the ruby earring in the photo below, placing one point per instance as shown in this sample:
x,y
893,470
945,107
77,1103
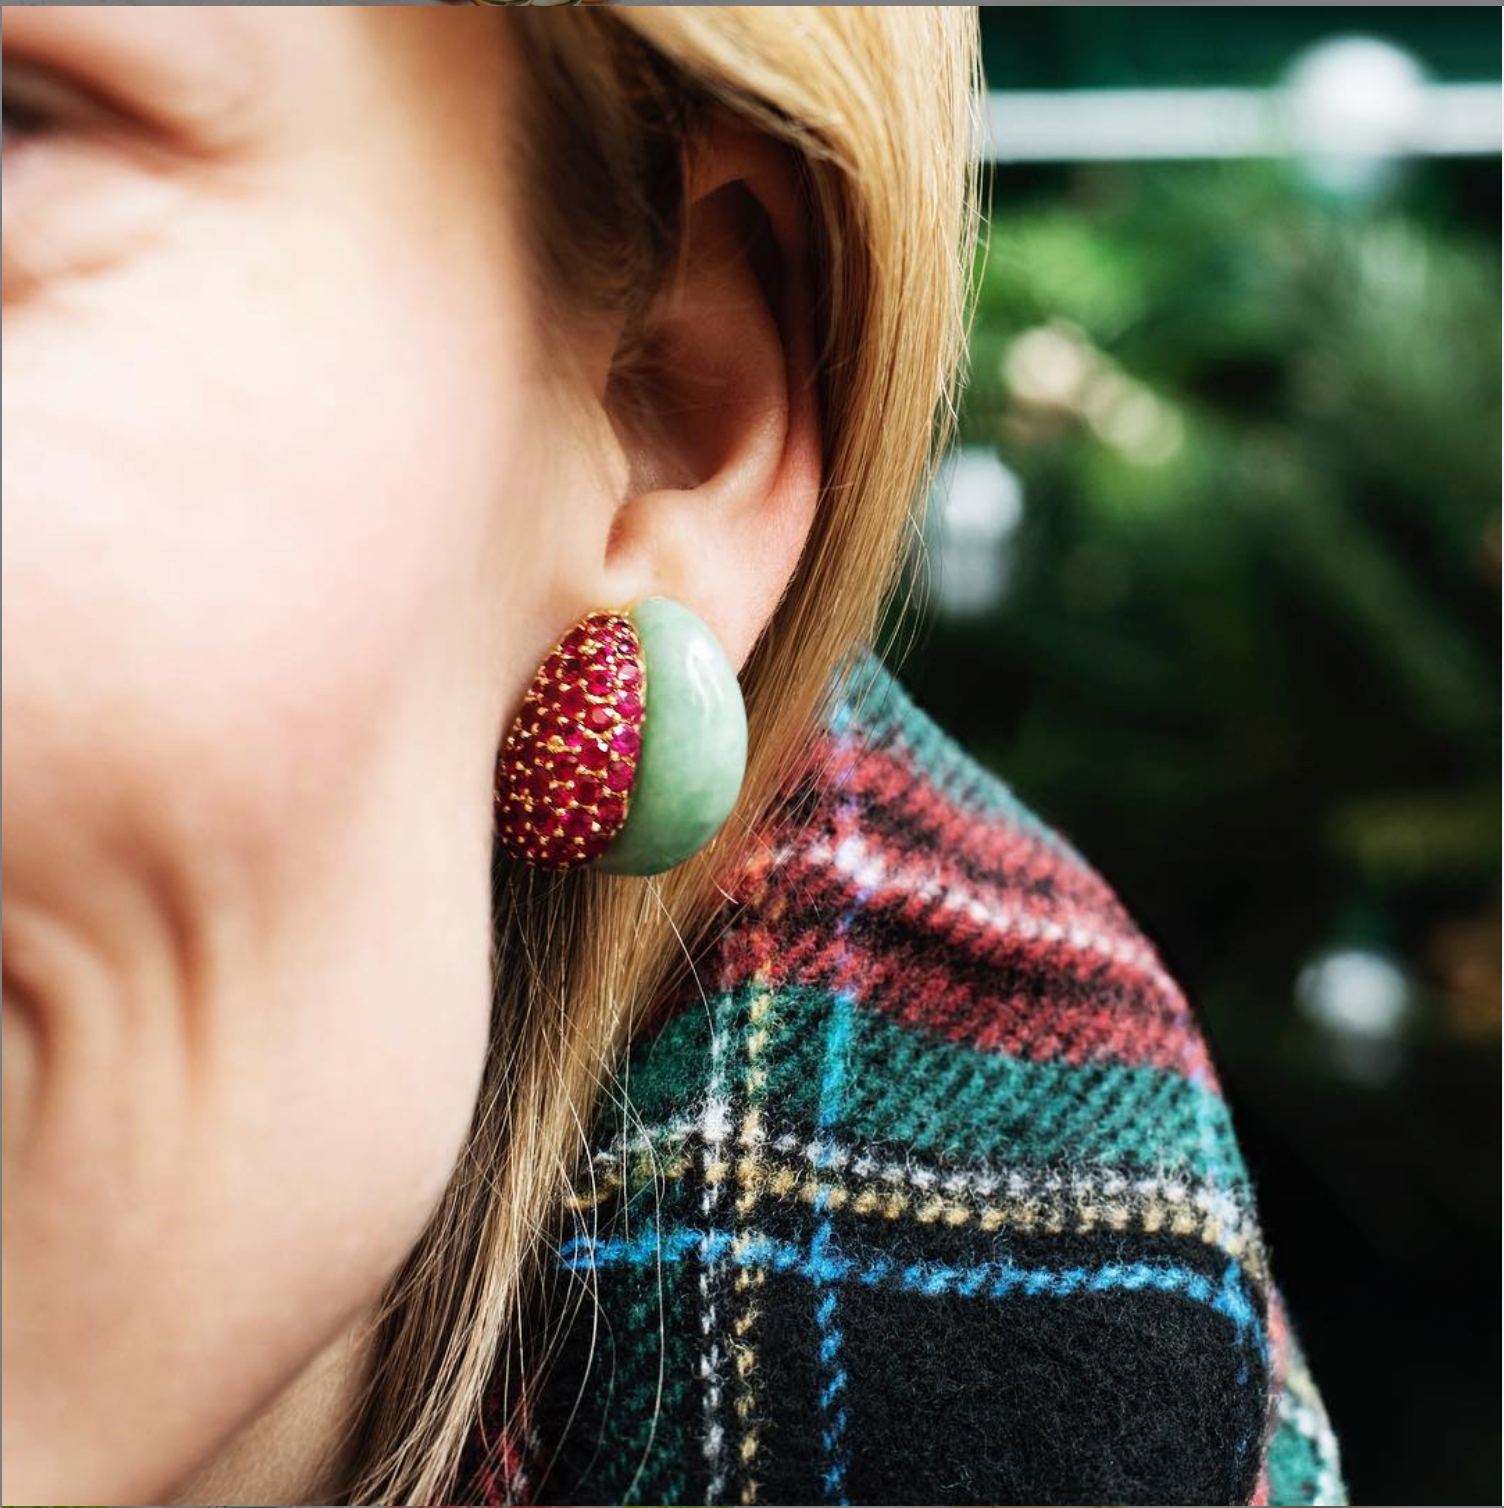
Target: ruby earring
x,y
629,747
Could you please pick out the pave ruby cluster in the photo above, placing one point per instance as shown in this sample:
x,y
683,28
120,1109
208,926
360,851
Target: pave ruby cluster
x,y
565,772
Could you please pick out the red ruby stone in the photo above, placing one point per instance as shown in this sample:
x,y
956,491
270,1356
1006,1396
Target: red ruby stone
x,y
575,820
578,824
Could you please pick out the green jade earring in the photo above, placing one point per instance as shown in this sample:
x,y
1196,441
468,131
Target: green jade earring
x,y
629,747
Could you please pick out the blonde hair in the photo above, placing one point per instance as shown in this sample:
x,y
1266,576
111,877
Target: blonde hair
x,y
877,104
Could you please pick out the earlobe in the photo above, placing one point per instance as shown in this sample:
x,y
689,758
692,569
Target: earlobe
x,y
713,401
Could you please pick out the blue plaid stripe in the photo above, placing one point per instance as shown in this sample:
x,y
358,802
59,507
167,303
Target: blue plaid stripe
x,y
822,1263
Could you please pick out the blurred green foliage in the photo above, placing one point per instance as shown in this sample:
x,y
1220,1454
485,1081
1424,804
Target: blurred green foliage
x,y
1248,659
1117,46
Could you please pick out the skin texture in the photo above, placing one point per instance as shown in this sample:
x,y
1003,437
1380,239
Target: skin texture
x,y
292,509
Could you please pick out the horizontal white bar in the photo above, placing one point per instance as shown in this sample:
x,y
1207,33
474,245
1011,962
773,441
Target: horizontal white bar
x,y
1125,125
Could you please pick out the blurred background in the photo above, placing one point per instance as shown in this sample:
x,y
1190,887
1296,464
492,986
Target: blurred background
x,y
1213,583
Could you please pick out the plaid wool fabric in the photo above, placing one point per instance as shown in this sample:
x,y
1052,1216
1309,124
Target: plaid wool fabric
x,y
923,1190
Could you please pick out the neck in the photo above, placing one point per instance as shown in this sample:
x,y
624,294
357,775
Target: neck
x,y
297,1450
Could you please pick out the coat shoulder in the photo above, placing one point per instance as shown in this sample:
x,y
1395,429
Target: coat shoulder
x,y
923,1189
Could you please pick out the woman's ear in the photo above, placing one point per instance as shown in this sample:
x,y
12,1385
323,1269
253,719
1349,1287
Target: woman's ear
x,y
714,411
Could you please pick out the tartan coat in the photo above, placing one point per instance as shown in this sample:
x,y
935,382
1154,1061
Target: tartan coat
x,y
923,1189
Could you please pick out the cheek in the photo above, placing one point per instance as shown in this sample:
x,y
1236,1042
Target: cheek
x,y
249,641
237,543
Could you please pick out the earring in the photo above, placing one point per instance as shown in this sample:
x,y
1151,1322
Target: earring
x,y
629,747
